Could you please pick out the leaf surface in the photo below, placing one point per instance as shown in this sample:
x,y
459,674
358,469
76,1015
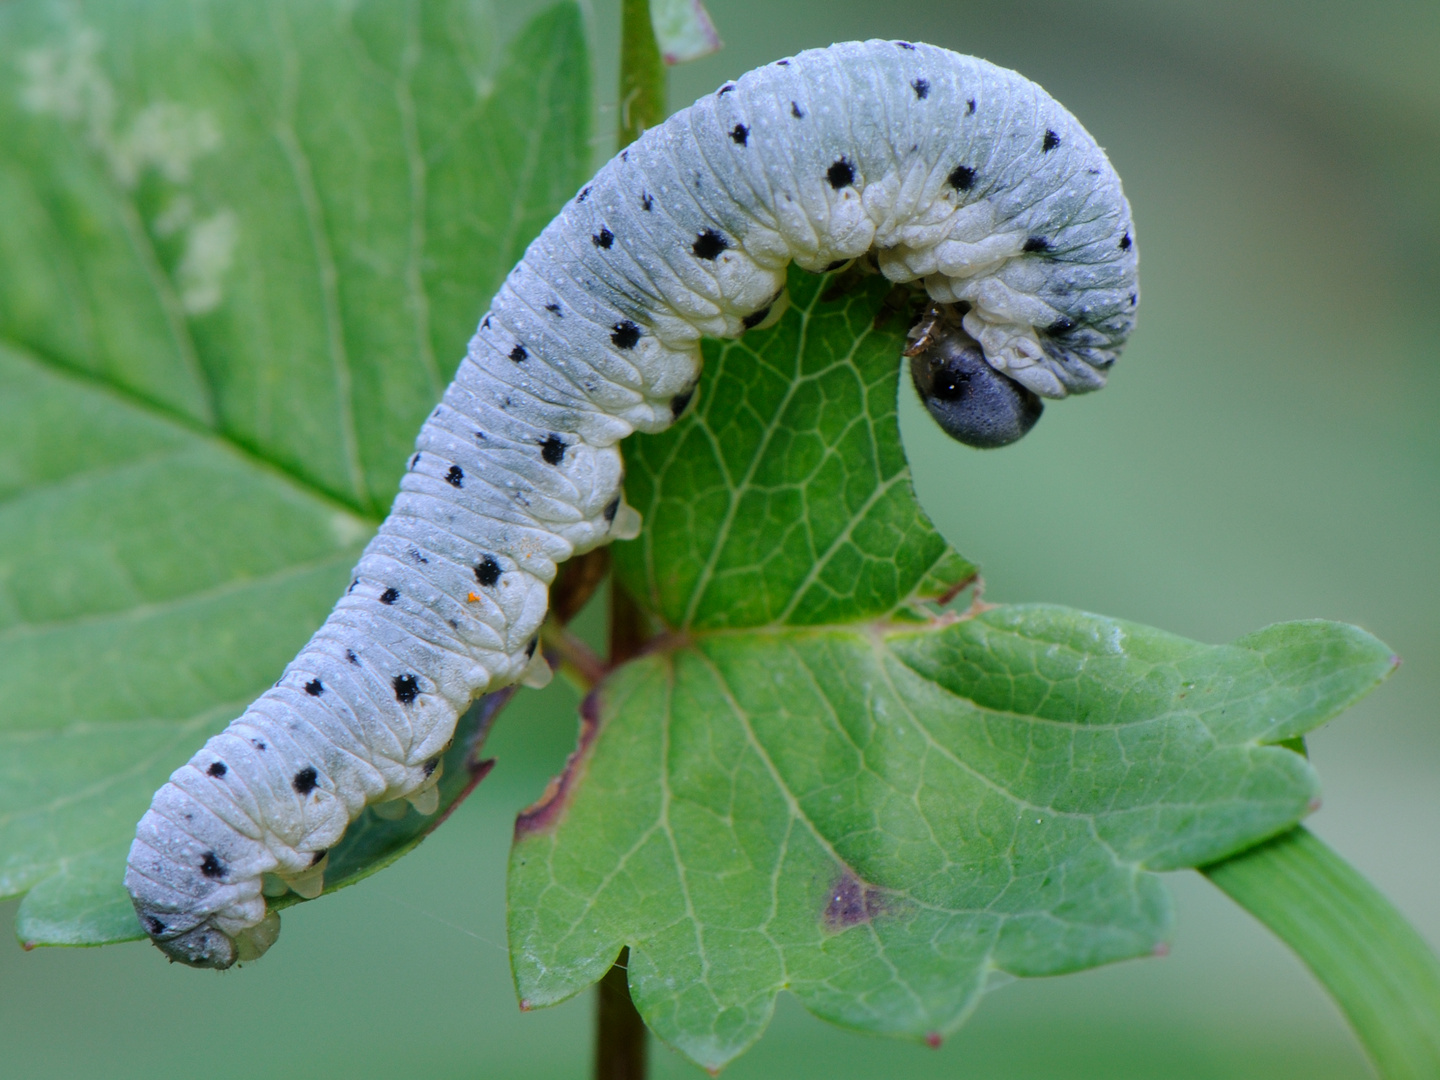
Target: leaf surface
x,y
244,246
817,782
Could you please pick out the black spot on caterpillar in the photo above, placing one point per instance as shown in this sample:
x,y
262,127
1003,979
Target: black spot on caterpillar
x,y
407,688
961,178
305,781
1000,330
708,245
626,335
487,571
314,688
552,450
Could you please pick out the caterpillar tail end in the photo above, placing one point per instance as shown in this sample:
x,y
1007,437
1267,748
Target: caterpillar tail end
x,y
207,946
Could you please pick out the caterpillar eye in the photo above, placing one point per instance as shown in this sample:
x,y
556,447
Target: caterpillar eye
x,y
971,401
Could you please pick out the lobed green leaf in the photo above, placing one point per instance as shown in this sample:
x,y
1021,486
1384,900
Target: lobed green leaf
x,y
817,782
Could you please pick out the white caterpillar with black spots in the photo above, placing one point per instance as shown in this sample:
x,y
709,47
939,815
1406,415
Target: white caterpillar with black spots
x,y
942,170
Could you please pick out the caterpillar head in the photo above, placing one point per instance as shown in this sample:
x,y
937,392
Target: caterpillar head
x,y
969,399
206,945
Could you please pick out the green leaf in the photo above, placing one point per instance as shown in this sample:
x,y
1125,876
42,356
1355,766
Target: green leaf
x,y
784,496
801,788
244,246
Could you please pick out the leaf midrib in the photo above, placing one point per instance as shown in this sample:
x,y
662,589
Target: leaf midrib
x,y
159,412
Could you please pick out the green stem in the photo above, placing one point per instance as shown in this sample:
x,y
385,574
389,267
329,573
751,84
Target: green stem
x,y
1381,973
620,1036
642,73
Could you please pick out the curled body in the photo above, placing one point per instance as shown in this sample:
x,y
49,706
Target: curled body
x,y
962,178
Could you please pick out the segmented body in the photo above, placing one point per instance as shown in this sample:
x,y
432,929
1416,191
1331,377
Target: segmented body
x,y
963,177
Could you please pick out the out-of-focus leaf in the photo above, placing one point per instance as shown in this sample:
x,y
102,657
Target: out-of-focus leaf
x,y
683,30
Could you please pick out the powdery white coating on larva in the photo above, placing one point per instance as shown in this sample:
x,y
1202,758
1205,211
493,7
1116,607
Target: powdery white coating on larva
x,y
956,174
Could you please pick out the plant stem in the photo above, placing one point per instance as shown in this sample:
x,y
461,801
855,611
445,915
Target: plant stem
x,y
642,73
620,1035
1381,973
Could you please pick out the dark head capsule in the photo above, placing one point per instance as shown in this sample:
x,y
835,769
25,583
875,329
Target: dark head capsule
x,y
970,400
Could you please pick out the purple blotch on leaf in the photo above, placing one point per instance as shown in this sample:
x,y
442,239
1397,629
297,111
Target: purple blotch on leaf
x,y
851,901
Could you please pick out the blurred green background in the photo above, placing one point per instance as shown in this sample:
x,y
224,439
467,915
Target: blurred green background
x,y
1268,449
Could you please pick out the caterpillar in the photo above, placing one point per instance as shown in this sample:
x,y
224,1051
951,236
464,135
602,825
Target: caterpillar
x,y
942,171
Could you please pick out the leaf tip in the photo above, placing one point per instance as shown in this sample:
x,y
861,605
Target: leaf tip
x,y
933,1040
